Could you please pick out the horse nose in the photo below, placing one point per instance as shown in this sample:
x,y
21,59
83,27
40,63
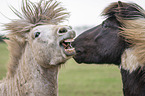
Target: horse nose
x,y
72,34
78,51
77,48
73,44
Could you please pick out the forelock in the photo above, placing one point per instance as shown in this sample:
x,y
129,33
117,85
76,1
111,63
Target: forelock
x,y
34,14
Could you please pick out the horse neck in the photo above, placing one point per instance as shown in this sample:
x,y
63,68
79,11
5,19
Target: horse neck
x,y
134,83
31,79
133,75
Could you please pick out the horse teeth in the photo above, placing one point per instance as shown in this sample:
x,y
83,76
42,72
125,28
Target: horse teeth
x,y
69,40
70,50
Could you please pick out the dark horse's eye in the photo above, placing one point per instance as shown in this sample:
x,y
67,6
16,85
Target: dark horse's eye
x,y
104,25
36,34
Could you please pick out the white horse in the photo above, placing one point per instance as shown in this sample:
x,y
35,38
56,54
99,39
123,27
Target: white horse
x,y
37,45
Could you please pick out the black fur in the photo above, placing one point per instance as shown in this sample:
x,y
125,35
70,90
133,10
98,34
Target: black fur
x,y
134,83
103,44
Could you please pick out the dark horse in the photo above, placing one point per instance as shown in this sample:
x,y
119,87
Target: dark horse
x,y
120,40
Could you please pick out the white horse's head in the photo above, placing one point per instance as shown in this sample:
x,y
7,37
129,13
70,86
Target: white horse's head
x,y
51,44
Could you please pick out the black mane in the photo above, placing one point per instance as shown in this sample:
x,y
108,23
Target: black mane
x,y
124,10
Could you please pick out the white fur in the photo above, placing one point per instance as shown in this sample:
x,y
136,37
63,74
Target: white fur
x,y
129,60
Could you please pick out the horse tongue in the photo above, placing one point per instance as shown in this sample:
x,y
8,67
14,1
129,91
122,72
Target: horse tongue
x,y
64,45
68,47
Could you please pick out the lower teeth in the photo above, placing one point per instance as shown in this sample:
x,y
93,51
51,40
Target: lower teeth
x,y
70,50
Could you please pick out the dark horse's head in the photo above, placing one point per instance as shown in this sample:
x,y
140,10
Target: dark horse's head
x,y
104,43
120,39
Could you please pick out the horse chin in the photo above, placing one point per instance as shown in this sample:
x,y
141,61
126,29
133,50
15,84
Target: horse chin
x,y
84,60
78,60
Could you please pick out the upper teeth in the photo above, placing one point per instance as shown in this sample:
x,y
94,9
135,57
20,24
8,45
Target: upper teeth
x,y
69,40
70,50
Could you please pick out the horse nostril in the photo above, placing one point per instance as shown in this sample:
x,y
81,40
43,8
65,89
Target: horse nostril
x,y
79,51
73,34
62,31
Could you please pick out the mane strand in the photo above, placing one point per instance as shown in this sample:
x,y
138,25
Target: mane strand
x,y
122,10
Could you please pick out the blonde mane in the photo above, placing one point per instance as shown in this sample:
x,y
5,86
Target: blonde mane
x,y
32,15
134,33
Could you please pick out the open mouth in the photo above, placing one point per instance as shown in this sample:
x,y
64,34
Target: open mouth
x,y
67,47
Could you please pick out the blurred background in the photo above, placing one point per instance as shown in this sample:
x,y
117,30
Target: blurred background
x,y
74,79
84,14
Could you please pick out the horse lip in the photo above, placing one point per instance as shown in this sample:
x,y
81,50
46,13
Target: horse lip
x,y
69,40
70,52
78,61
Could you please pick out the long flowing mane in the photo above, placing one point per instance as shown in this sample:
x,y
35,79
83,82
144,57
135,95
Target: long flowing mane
x,y
32,15
132,26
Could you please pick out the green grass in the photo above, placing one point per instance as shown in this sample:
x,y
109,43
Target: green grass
x,y
80,80
3,59
89,80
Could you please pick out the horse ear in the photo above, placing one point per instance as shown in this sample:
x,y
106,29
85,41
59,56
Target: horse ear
x,y
120,4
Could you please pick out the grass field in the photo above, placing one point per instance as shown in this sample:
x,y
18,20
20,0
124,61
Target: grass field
x,y
80,80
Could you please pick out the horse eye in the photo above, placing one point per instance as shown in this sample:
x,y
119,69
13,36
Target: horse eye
x,y
104,25
36,34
